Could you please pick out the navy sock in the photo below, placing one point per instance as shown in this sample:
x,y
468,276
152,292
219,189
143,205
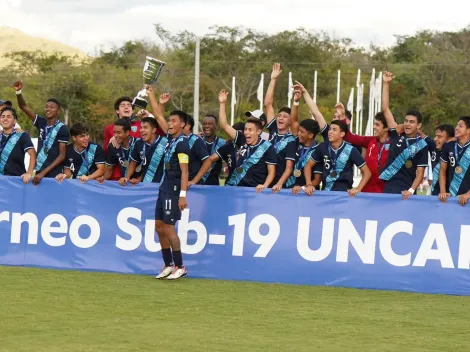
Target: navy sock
x,y
177,256
167,258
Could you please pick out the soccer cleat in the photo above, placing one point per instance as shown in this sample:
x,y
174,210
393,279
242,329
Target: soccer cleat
x,y
177,273
166,271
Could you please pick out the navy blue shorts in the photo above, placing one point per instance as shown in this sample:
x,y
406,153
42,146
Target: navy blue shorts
x,y
167,209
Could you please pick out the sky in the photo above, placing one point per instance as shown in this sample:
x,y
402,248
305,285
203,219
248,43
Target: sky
x,y
92,24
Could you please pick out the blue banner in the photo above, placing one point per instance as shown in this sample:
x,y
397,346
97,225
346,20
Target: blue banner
x,y
371,241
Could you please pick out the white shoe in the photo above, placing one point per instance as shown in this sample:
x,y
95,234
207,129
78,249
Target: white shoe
x,y
177,273
166,271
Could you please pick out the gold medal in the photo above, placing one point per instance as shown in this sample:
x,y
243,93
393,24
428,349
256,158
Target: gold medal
x,y
297,173
240,170
458,170
167,166
125,163
138,168
334,174
409,164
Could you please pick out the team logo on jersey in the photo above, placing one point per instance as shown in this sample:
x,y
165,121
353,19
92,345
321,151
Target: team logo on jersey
x,y
70,159
387,146
134,129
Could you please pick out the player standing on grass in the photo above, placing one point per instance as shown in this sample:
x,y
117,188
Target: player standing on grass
x,y
172,197
53,137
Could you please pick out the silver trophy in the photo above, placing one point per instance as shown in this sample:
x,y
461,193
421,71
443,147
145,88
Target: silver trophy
x,y
152,70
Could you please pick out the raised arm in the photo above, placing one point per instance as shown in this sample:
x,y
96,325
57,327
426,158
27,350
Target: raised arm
x,y
159,109
232,133
387,78
318,116
18,85
269,99
294,117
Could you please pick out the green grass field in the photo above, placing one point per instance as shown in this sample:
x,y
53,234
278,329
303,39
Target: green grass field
x,y
67,311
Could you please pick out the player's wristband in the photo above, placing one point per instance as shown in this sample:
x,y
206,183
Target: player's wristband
x,y
411,190
182,194
296,103
18,92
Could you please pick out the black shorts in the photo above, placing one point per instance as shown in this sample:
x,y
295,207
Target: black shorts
x,y
167,209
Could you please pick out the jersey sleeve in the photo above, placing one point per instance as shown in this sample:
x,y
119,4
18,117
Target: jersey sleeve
x,y
431,144
357,158
200,150
99,155
272,126
316,155
392,132
422,158
111,156
63,135
135,155
26,142
240,139
324,132
39,122
68,157
270,156
107,137
182,148
358,141
318,168
291,151
445,152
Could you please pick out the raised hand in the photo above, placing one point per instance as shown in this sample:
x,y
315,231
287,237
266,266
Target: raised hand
x,y
223,95
18,85
340,109
299,86
276,71
165,98
297,95
387,77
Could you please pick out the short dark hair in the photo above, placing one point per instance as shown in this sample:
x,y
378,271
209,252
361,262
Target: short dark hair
x,y
415,113
255,121
311,126
449,129
181,114
213,116
341,124
53,100
239,126
380,116
124,123
348,114
151,121
466,120
78,129
9,108
286,110
191,122
120,100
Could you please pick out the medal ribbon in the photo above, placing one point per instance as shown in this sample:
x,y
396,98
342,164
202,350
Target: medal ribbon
x,y
381,151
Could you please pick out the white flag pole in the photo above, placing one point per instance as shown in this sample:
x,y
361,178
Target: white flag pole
x,y
260,93
338,86
233,102
290,91
358,100
196,85
315,87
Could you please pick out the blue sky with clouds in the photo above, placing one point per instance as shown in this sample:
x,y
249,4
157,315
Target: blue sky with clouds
x,y
88,24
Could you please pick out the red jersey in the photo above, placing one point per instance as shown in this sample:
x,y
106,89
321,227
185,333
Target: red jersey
x,y
375,185
109,133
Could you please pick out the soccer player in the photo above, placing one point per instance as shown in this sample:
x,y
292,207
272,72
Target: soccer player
x,y
53,136
172,197
13,146
454,178
256,164
120,156
336,158
442,134
377,147
408,155
308,130
147,155
85,160
197,147
213,144
261,116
